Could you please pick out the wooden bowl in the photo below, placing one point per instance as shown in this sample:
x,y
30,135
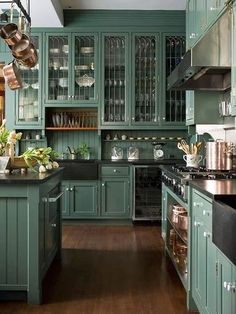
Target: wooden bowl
x,y
19,163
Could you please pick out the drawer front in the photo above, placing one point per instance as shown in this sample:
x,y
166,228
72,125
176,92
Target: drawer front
x,y
114,171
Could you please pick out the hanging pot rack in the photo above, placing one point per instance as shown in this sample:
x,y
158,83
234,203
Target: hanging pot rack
x,y
22,9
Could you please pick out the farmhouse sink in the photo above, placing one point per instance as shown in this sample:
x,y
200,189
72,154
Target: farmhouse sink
x,y
79,170
224,226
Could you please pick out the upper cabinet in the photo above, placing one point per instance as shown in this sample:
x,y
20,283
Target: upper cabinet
x,y
114,79
71,67
174,108
145,65
28,99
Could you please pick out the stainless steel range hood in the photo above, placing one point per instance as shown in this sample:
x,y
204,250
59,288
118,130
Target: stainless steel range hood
x,y
207,65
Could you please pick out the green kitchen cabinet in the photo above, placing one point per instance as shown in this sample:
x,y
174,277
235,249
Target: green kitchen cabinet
x,y
233,66
146,51
115,192
71,67
191,35
173,109
197,101
214,7
80,199
115,67
203,255
201,18
226,285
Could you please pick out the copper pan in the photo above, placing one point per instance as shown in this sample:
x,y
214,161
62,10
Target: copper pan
x,y
22,48
11,34
12,76
31,59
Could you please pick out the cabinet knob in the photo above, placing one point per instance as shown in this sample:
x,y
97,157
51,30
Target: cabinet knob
x,y
71,189
206,212
133,118
54,225
67,189
197,224
103,184
115,170
206,234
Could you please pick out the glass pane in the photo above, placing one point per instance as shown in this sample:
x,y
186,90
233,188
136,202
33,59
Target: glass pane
x,y
84,68
145,78
58,68
114,79
175,100
28,106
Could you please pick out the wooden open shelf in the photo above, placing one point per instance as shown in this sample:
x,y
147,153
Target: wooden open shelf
x,y
69,129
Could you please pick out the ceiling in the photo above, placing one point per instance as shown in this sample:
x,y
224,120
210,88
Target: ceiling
x,y
50,14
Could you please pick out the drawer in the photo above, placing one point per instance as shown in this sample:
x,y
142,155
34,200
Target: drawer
x,y
114,171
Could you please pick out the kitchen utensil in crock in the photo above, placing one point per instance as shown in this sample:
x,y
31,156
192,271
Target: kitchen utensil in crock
x,y
12,76
11,34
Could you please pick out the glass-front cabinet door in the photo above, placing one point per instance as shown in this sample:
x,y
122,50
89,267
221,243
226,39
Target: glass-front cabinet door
x,y
71,69
85,80
145,62
174,108
28,99
114,78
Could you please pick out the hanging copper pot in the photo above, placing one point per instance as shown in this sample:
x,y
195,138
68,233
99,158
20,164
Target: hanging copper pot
x,y
12,76
22,48
11,34
30,59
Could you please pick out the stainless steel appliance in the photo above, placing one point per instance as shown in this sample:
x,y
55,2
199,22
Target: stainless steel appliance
x,y
147,192
219,155
207,65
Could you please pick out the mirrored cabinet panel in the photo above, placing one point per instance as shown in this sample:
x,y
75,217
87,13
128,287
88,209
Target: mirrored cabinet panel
x,y
28,105
115,75
145,78
175,100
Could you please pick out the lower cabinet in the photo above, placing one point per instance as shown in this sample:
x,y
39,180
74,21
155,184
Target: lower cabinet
x,y
115,192
226,285
164,212
213,279
80,199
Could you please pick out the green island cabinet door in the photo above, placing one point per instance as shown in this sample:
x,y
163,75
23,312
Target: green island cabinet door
x,y
71,69
226,286
146,51
203,256
80,199
115,79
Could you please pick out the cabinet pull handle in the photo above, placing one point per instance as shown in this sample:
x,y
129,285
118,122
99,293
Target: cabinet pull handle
x,y
206,234
52,199
206,212
225,284
54,225
197,224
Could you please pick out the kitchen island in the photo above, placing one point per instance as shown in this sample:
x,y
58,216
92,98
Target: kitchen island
x,y
30,232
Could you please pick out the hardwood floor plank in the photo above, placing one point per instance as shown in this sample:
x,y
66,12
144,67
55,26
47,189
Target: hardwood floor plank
x,y
109,270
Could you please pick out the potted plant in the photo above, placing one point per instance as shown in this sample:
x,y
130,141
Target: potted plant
x,y
83,151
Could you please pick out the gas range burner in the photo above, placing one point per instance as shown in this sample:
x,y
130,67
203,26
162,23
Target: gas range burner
x,y
184,169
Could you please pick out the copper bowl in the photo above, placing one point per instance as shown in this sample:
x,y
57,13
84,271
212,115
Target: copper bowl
x,y
11,34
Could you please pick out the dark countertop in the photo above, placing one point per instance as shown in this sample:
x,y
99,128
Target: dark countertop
x,y
123,161
215,189
29,177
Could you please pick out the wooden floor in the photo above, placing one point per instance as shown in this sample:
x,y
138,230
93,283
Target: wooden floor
x,y
109,270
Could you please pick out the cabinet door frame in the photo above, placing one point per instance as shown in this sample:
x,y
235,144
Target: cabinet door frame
x,y
163,84
157,83
126,205
65,201
39,123
127,79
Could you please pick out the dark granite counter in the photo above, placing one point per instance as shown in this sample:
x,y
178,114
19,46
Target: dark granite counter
x,y
215,189
123,161
28,178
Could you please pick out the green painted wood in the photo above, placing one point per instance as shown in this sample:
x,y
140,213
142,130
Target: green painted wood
x,y
84,199
164,212
115,197
65,202
225,298
233,69
190,23
201,18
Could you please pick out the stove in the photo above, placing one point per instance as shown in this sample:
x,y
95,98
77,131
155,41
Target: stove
x,y
177,177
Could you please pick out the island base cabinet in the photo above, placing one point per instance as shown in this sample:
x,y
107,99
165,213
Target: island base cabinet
x,y
226,286
30,236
